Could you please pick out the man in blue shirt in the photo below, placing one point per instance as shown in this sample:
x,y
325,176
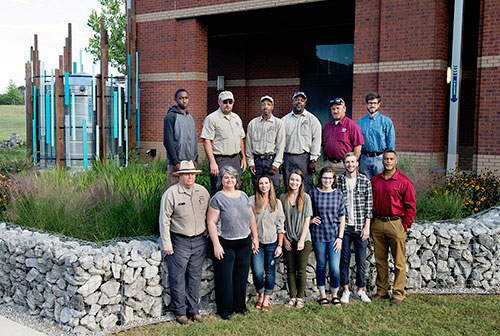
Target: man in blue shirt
x,y
379,134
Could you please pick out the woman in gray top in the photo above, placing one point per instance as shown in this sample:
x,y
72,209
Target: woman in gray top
x,y
270,219
230,221
298,211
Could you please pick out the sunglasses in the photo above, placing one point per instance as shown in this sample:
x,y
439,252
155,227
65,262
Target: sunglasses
x,y
337,101
228,101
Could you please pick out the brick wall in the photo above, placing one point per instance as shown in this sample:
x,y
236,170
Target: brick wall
x,y
400,50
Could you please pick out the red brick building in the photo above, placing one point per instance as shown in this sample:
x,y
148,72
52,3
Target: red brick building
x,y
400,49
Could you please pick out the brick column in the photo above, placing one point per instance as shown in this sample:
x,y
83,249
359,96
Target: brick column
x,y
488,91
172,55
400,50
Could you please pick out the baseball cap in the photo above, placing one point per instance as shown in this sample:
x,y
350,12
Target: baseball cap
x,y
337,101
299,93
226,95
268,98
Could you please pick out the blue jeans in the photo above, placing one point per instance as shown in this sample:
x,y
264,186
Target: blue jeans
x,y
359,253
264,263
324,250
371,166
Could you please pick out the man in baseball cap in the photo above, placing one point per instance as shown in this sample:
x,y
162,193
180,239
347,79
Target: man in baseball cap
x,y
265,143
340,136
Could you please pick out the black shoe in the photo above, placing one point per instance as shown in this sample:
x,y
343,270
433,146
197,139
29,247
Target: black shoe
x,y
226,316
244,311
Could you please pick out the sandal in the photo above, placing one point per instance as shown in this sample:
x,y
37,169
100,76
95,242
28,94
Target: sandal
x,y
258,305
299,304
336,301
324,302
290,303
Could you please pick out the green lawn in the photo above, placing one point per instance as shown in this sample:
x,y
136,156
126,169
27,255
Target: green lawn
x,y
12,120
418,315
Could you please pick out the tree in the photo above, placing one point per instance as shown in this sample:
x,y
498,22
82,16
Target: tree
x,y
115,22
14,95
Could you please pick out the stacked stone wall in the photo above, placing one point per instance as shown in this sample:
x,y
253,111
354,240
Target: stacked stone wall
x,y
84,288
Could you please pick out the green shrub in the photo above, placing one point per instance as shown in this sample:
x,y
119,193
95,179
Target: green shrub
x,y
440,207
99,204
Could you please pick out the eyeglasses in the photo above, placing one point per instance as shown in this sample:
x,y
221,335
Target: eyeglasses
x,y
227,101
337,101
372,103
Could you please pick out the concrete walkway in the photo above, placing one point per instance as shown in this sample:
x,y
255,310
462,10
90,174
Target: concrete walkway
x,y
11,328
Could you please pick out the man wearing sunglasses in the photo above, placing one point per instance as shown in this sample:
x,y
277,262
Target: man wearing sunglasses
x,y
302,141
340,136
378,132
223,136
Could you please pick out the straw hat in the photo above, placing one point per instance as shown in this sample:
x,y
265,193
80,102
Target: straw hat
x,y
187,167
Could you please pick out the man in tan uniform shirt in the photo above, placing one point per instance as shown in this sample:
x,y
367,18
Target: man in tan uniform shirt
x,y
223,136
183,234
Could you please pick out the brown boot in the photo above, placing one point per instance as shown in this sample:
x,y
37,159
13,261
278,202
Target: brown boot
x,y
379,297
396,302
196,317
182,319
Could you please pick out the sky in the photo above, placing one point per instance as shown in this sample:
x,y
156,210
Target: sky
x,y
21,19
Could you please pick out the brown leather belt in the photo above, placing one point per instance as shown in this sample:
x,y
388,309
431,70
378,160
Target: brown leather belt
x,y
388,218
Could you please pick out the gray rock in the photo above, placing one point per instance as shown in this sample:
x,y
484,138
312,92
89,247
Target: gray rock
x,y
109,322
426,272
134,288
149,272
127,315
154,290
91,285
110,288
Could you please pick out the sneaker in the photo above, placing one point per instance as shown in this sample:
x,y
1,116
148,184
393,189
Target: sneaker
x,y
345,297
362,296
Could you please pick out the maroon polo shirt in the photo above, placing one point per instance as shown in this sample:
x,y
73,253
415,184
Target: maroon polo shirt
x,y
394,196
341,138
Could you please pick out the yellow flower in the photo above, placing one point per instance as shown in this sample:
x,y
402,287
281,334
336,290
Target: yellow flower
x,y
475,209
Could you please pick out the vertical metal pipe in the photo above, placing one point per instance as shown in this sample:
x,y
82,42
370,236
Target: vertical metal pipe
x,y
115,114
456,69
73,116
128,87
48,126
81,62
120,117
97,142
84,142
138,100
52,110
75,66
126,142
34,124
68,143
66,89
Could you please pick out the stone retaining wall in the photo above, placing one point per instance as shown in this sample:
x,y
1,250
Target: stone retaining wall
x,y
83,288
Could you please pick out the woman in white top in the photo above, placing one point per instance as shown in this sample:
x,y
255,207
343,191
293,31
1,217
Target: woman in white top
x,y
270,220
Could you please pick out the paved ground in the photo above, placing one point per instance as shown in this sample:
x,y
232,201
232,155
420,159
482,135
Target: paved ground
x,y
12,328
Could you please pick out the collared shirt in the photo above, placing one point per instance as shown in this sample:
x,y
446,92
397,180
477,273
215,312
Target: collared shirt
x,y
265,137
340,138
394,196
378,133
294,220
183,211
329,206
225,131
269,224
362,199
303,134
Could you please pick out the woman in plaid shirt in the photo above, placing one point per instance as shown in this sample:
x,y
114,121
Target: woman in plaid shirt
x,y
327,232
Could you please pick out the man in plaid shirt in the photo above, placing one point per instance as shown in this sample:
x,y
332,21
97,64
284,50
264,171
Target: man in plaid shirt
x,y
357,191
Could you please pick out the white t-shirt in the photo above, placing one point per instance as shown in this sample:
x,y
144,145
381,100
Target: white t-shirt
x,y
350,185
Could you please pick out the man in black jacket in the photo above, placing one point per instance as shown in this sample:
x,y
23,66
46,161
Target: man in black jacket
x,y
179,135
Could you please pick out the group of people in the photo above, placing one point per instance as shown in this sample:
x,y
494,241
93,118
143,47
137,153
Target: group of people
x,y
343,210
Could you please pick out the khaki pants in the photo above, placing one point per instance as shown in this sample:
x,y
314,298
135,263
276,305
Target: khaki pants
x,y
171,179
390,234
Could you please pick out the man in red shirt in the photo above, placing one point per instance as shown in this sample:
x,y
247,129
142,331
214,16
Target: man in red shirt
x,y
340,136
394,209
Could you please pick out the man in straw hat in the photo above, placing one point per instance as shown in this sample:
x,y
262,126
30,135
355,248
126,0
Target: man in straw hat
x,y
183,234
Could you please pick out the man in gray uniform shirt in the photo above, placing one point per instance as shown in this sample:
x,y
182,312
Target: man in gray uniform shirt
x,y
182,229
265,143
179,135
303,141
223,136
